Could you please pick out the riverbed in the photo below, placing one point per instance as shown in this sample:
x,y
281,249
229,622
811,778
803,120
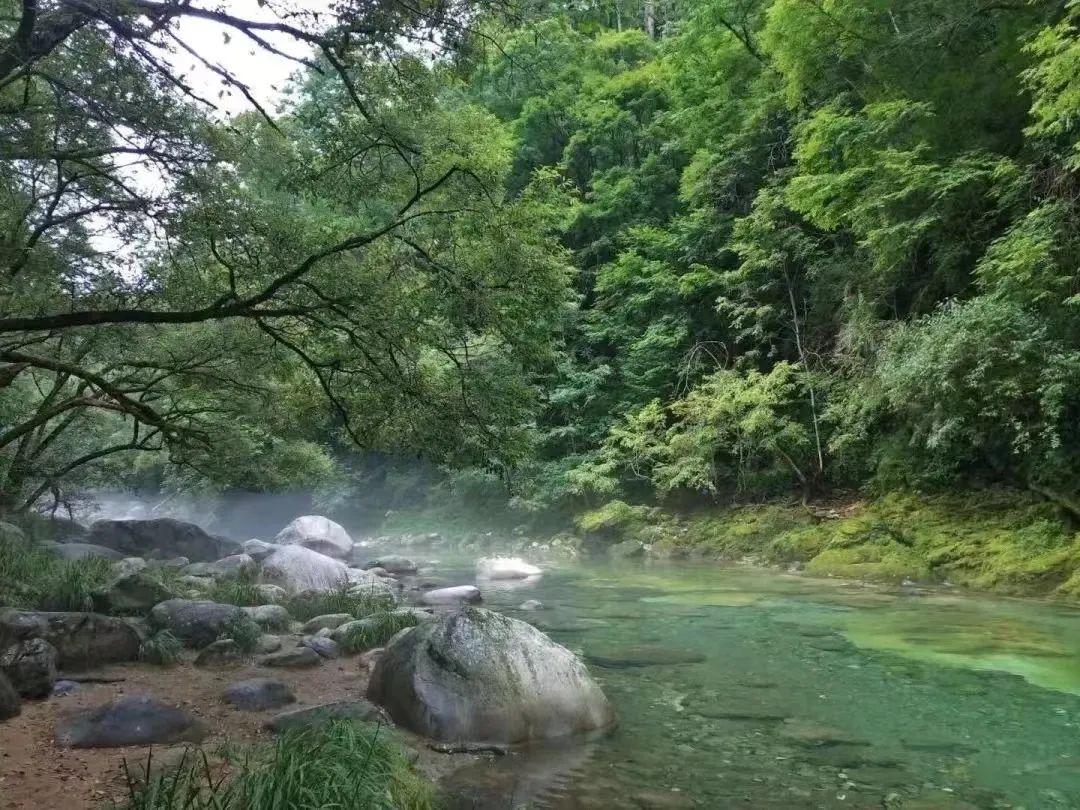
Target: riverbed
x,y
739,687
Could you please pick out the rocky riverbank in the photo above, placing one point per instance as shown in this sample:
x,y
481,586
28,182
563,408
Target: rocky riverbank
x,y
202,640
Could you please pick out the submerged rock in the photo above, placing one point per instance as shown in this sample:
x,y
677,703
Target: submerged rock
x,y
643,655
393,564
531,604
319,534
129,721
296,569
457,595
82,640
479,676
30,666
195,622
506,568
258,694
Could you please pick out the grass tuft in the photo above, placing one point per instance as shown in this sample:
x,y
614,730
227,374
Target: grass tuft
x,y
245,632
162,648
356,601
342,765
376,630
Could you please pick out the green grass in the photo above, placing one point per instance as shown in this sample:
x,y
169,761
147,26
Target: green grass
x,y
162,648
242,590
32,577
245,632
342,765
378,629
357,602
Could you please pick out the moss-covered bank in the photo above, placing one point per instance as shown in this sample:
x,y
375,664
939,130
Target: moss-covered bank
x,y
998,540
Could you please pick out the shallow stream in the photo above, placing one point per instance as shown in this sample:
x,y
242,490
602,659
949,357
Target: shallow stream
x,y
737,687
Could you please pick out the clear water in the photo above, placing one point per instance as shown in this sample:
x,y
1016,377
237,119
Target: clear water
x,y
746,688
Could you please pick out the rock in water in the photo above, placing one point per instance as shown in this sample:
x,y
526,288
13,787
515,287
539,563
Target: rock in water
x,y
319,534
82,640
506,568
296,569
30,666
258,694
196,623
163,537
10,705
129,721
393,564
479,676
458,595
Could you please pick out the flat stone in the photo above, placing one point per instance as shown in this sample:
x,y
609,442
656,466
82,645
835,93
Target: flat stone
x,y
129,721
221,653
258,694
326,647
360,711
299,658
329,621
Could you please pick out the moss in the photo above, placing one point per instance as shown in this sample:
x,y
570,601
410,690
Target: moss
x,y
998,539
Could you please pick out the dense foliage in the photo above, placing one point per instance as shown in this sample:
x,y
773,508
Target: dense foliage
x,y
582,251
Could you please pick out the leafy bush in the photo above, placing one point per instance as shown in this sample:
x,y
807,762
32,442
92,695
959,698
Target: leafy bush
x,y
162,648
354,600
245,632
376,630
342,765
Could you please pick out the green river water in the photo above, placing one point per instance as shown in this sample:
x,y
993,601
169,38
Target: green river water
x,y
738,687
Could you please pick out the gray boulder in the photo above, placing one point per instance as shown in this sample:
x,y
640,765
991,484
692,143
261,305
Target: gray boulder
x,y
221,653
271,594
30,666
479,676
325,647
457,595
268,644
162,538
319,534
299,658
393,564
82,640
296,569
259,694
329,621
132,591
269,617
195,622
129,721
358,711
258,550
234,565
10,705
82,551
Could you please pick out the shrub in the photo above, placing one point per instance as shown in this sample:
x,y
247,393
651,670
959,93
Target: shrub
x,y
342,765
162,648
245,632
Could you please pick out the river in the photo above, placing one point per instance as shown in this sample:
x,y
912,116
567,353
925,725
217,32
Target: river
x,y
739,687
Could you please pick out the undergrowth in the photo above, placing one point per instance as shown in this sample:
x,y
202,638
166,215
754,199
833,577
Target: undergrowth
x,y
357,601
375,631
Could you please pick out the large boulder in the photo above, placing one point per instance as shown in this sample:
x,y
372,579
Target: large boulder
x,y
161,538
129,721
319,534
297,568
297,658
30,666
479,676
10,705
195,622
82,640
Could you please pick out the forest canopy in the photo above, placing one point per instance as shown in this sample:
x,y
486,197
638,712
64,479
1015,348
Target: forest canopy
x,y
581,250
